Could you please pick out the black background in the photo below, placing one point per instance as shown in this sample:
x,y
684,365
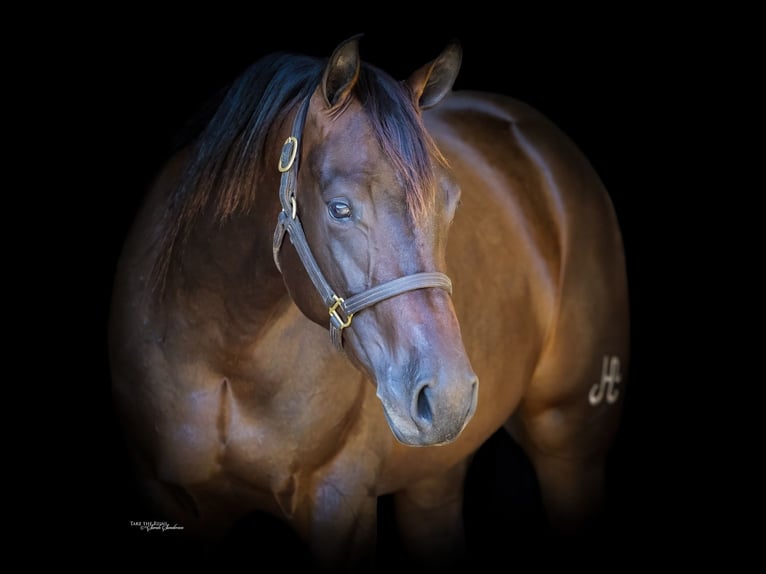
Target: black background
x,y
609,82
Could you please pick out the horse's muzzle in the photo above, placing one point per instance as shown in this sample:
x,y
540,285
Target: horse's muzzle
x,y
433,413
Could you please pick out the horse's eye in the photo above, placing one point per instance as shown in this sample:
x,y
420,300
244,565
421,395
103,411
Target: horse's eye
x,y
339,209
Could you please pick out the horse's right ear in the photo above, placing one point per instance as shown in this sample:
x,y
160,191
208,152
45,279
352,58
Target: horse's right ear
x,y
341,72
433,81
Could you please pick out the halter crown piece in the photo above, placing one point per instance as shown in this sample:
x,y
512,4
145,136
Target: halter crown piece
x,y
341,310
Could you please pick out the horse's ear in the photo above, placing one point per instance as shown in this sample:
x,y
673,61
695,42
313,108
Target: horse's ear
x,y
341,71
433,81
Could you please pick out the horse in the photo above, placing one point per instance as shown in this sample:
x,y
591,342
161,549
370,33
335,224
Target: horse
x,y
344,284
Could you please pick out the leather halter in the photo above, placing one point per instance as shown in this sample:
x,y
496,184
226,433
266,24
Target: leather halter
x,y
341,310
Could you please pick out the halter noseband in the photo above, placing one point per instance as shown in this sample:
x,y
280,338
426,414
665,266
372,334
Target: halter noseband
x,y
341,310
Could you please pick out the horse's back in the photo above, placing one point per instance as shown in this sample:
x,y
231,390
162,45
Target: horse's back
x,y
536,247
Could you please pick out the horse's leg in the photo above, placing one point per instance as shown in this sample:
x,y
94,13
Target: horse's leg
x,y
570,470
429,517
572,489
344,531
340,524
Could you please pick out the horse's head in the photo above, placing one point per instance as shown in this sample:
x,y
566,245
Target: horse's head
x,y
375,199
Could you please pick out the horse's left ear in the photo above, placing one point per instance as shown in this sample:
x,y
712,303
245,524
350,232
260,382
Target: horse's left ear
x,y
433,81
341,72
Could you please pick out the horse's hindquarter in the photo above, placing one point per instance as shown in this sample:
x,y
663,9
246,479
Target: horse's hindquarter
x,y
536,257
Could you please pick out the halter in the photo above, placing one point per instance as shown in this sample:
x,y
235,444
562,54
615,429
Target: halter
x,y
341,310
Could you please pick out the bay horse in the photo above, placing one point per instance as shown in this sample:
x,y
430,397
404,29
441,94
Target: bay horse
x,y
445,264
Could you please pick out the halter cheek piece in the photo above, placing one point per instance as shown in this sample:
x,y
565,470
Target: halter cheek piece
x,y
341,310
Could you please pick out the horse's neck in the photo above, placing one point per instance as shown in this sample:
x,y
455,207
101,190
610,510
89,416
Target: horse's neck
x,y
227,275
232,312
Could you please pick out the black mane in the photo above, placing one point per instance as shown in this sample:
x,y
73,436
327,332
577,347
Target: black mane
x,y
226,157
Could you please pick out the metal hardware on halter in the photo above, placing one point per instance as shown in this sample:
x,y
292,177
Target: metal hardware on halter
x,y
340,323
289,223
291,152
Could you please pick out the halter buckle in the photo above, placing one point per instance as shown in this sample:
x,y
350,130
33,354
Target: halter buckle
x,y
339,323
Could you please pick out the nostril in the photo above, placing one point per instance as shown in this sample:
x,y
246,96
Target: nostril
x,y
423,411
